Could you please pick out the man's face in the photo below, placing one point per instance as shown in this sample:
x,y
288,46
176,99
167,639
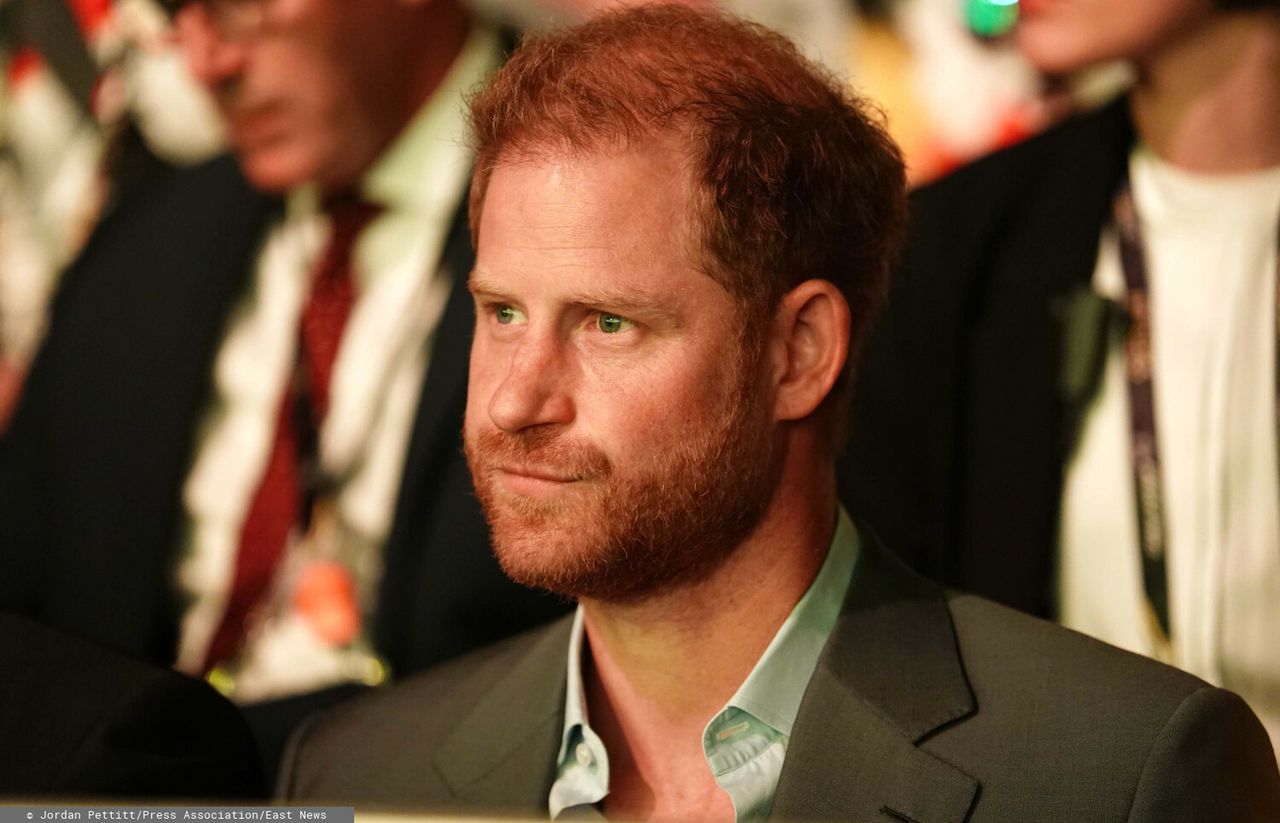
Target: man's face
x,y
306,87
617,429
1062,36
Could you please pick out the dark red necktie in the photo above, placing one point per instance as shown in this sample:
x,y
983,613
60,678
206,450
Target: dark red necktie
x,y
278,504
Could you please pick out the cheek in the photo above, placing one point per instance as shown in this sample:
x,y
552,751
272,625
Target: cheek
x,y
316,100
640,410
292,140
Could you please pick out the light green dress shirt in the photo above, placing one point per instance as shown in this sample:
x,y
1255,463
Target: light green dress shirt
x,y
745,743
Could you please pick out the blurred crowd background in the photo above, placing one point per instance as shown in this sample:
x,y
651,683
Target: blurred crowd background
x,y
96,98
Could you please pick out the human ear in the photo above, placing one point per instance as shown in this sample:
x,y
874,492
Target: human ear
x,y
811,341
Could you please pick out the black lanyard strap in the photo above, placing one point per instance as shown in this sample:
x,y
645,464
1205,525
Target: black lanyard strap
x,y
1144,448
1139,371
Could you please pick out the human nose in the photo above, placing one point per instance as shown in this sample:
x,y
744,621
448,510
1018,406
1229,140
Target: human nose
x,y
535,389
212,54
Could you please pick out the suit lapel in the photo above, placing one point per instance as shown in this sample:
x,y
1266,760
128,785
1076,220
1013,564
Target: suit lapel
x,y
889,677
438,423
436,436
1011,406
502,755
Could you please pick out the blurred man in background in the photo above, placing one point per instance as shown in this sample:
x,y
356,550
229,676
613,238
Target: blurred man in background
x,y
239,450
1071,404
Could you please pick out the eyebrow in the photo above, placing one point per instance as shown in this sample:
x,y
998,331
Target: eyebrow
x,y
625,302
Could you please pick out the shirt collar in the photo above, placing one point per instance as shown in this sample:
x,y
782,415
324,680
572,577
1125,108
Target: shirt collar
x,y
582,765
775,686
575,707
773,690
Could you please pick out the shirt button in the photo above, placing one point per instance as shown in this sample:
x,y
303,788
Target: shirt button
x,y
583,754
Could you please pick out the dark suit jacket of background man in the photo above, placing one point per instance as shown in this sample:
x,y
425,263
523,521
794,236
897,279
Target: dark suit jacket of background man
x,y
92,471
925,706
963,417
78,719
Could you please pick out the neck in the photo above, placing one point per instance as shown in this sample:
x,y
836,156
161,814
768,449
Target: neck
x,y
662,668
1210,101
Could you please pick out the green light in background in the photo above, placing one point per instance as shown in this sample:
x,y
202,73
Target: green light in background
x,y
991,18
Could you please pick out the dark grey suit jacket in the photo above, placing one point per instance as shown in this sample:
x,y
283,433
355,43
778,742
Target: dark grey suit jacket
x,y
926,706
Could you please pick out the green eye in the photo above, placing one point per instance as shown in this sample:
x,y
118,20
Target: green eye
x,y
505,314
612,323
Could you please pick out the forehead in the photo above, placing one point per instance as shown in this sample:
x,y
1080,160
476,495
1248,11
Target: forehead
x,y
343,31
618,219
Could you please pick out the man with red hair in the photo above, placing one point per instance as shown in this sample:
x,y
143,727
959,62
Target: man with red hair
x,y
682,231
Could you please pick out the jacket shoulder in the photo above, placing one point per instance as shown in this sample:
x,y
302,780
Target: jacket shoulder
x,y
1050,185
380,748
1018,169
214,182
202,218
1140,740
1006,221
1010,646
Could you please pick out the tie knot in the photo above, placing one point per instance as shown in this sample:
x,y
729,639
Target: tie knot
x,y
348,214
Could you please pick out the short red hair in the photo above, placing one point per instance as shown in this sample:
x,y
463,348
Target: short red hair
x,y
797,177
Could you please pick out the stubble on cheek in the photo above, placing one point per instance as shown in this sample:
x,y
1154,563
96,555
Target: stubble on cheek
x,y
669,516
539,542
